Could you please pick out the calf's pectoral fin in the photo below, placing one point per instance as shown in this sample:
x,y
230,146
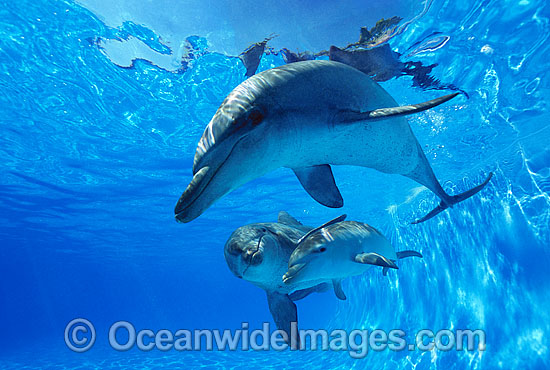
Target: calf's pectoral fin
x,y
319,183
284,314
337,284
346,116
375,259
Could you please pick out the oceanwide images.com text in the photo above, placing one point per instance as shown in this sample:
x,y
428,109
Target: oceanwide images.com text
x,y
80,336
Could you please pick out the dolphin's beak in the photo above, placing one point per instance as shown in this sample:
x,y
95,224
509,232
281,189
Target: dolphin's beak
x,y
183,210
292,272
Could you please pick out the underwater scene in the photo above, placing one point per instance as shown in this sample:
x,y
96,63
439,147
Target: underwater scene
x,y
256,184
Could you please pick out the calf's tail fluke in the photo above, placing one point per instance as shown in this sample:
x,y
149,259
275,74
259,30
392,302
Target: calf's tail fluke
x,y
454,200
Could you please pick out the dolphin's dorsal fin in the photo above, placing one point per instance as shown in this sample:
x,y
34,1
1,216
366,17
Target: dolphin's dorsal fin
x,y
331,222
286,219
319,183
347,116
375,259
337,284
284,313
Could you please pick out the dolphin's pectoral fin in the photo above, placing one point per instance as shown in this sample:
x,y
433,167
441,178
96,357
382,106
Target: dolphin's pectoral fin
x,y
375,259
337,284
347,116
284,314
300,294
454,200
401,255
319,183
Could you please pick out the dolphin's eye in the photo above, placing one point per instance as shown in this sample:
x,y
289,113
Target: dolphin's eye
x,y
322,249
263,229
255,117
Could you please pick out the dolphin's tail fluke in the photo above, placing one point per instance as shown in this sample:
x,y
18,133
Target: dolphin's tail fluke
x,y
454,200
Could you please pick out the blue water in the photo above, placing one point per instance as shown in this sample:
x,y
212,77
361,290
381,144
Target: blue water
x,y
94,157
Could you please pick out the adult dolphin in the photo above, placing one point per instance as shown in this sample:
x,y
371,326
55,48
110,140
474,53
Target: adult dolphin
x,y
307,116
259,253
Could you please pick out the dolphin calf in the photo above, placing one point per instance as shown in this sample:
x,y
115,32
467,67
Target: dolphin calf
x,y
339,249
260,253
307,116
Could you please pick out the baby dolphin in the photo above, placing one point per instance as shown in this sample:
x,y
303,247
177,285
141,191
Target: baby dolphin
x,y
339,249
307,116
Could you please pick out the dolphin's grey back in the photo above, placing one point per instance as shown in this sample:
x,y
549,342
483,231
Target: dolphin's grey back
x,y
343,230
351,232
330,84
